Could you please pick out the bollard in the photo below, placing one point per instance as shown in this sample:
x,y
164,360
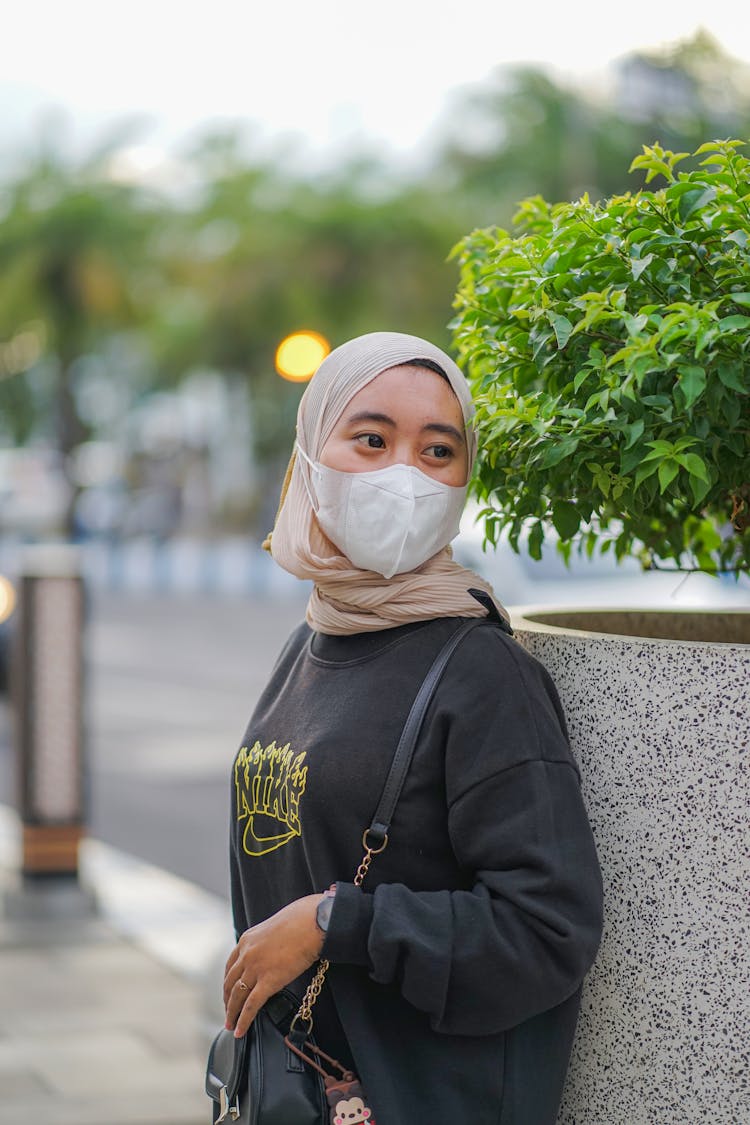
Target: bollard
x,y
47,691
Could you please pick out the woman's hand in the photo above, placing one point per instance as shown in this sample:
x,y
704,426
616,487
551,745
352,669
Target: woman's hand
x,y
267,957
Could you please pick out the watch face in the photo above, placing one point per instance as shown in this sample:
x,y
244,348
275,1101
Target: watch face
x,y
323,913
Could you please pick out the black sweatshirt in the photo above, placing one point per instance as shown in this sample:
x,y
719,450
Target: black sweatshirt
x,y
456,969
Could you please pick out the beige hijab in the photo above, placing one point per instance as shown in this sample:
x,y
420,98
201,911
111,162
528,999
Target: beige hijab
x,y
346,599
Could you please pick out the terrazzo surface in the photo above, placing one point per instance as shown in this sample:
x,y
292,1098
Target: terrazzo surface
x,y
661,731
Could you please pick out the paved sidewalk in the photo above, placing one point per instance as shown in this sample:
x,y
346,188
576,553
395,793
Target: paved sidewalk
x,y
105,1019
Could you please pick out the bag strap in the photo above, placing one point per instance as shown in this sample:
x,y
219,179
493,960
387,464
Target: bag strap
x,y
493,614
375,838
377,833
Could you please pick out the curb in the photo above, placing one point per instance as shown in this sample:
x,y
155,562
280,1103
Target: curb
x,y
179,924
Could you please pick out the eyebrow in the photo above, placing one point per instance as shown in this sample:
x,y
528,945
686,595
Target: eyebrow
x,y
445,428
370,416
377,416
432,427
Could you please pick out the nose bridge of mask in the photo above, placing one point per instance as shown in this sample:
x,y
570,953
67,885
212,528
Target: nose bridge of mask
x,y
424,485
401,480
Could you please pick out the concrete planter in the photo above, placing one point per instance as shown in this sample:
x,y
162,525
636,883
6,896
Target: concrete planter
x,y
659,715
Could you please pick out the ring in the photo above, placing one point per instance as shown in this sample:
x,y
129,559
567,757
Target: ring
x,y
242,984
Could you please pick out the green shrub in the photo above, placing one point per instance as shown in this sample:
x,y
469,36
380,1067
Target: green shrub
x,y
608,348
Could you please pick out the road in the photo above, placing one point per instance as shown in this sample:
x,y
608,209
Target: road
x,y
171,683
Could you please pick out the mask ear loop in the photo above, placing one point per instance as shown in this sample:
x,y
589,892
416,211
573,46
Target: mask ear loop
x,y
313,499
266,544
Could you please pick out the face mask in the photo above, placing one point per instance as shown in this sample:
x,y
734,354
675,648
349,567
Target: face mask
x,y
389,521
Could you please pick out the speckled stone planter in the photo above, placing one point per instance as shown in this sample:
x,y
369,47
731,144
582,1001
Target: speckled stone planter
x,y
661,730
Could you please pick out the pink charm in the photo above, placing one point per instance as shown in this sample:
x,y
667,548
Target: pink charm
x,y
351,1111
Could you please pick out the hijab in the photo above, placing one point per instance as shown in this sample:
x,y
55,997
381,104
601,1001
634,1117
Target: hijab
x,y
346,599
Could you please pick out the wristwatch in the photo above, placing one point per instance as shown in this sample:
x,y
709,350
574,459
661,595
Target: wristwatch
x,y
325,906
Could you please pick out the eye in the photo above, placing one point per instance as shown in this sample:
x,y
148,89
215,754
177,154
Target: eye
x,y
440,452
371,441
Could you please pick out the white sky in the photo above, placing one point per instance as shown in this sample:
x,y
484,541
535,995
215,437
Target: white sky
x,y
335,72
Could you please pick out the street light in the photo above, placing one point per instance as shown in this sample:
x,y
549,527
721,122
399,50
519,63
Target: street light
x,y
299,355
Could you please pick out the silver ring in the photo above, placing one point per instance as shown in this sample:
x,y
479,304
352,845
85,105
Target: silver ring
x,y
242,984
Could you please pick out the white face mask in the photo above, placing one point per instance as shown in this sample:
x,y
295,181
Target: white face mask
x,y
390,520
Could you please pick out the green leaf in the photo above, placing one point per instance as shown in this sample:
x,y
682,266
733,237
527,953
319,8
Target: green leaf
x,y
692,380
695,465
644,472
535,540
731,409
565,518
707,536
742,299
691,201
638,265
654,167
557,451
562,327
668,470
630,459
634,324
661,447
698,488
539,339
734,323
731,377
564,547
633,430
622,542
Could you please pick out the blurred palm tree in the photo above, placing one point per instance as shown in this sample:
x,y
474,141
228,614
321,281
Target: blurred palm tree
x,y
73,270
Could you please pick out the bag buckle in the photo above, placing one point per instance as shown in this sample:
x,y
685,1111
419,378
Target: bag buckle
x,y
225,1107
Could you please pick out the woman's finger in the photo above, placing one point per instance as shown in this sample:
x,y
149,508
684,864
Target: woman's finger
x,y
236,988
255,1000
230,980
237,996
235,967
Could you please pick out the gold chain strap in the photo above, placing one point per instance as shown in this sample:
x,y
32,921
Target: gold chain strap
x,y
314,988
312,992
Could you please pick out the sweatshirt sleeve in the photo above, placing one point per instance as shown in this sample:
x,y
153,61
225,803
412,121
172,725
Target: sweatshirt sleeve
x,y
521,938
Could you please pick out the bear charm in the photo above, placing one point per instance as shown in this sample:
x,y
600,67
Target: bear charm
x,y
348,1104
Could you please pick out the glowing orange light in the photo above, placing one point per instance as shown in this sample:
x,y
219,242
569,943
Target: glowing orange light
x,y
300,355
7,598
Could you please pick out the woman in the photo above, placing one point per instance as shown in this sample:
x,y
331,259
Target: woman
x,y
456,970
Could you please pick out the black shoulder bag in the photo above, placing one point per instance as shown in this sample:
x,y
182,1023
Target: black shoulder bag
x,y
276,1074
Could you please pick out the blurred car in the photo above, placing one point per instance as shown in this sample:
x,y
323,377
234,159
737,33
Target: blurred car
x,y
7,606
597,582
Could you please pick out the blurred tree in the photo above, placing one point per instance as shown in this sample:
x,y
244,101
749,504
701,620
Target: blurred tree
x,y
215,274
524,133
71,263
262,254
